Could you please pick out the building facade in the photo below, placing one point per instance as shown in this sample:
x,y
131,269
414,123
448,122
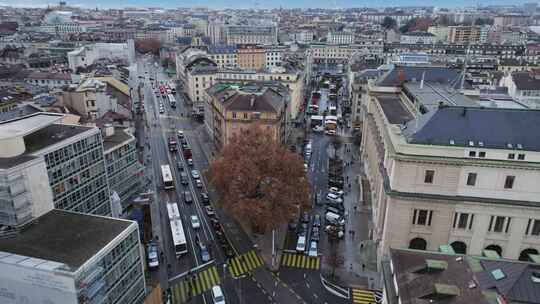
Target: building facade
x,y
339,38
244,34
251,58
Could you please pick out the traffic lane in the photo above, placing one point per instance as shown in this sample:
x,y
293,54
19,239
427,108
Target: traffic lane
x,y
307,284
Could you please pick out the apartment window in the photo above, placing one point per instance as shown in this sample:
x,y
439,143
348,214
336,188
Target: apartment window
x,y
511,156
481,154
471,179
499,224
533,227
245,116
428,178
521,156
234,115
472,153
422,217
509,182
463,220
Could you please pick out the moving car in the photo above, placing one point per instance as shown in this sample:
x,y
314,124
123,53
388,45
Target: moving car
x,y
315,234
198,183
187,197
180,166
217,295
305,217
334,219
338,192
301,244
312,252
190,162
195,174
317,221
204,198
153,259
183,178
195,223
318,129
180,134
161,110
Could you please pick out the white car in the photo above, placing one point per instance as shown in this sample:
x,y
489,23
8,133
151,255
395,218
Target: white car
x,y
312,252
301,244
195,174
318,129
161,110
336,191
334,198
330,132
198,183
195,223
217,295
153,260
180,134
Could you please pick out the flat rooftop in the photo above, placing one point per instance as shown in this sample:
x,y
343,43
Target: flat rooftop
x,y
120,136
26,125
51,135
393,109
65,237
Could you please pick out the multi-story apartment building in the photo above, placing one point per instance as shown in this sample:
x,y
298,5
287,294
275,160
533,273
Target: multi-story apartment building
x,y
524,87
49,80
511,20
304,36
41,156
93,259
251,58
199,73
123,168
216,32
339,38
440,32
232,109
458,175
464,34
418,37
401,18
87,55
251,34
320,53
223,55
274,56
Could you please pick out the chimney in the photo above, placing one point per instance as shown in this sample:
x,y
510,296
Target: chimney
x,y
252,101
108,129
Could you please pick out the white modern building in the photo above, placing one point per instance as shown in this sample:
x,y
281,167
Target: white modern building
x,y
339,38
524,87
88,54
42,158
251,34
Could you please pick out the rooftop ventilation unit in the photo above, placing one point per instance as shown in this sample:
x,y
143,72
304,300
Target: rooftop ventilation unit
x,y
481,143
520,146
452,142
509,146
471,143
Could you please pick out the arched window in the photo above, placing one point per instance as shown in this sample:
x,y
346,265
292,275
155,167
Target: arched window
x,y
418,243
459,247
495,248
524,255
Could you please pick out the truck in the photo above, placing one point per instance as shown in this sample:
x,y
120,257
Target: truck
x,y
335,173
315,97
187,153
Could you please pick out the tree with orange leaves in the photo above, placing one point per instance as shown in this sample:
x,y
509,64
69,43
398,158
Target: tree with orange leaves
x,y
148,46
259,181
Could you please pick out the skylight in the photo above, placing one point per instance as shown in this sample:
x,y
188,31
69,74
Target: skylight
x,y
498,274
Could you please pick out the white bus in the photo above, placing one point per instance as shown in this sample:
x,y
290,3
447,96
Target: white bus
x,y
177,230
168,181
172,100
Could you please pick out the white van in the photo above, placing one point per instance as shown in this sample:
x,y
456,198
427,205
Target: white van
x,y
217,295
334,218
301,244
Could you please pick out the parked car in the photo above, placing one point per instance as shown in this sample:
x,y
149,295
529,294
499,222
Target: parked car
x,y
330,132
204,198
334,198
180,166
312,252
187,197
195,174
335,229
153,258
318,129
209,211
198,183
180,134
184,178
335,210
301,244
338,192
334,219
190,162
195,223
205,255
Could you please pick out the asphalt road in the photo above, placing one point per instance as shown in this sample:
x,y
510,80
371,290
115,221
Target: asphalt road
x,y
162,126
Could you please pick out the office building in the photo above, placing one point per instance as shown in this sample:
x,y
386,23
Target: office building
x,y
251,58
339,38
72,258
39,150
246,34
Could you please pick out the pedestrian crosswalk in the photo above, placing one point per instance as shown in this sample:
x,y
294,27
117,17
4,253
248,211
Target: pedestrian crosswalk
x,y
244,263
194,285
300,261
360,296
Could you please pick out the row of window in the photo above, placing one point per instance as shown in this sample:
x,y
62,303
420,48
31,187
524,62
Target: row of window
x,y
482,154
463,220
471,179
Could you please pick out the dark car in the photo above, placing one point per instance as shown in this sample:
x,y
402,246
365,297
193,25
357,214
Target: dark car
x,y
317,221
315,234
305,217
204,198
180,166
187,197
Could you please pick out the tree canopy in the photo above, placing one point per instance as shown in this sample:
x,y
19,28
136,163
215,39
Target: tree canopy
x,y
259,181
148,46
389,23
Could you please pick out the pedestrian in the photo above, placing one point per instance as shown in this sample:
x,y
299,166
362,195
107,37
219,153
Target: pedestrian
x,y
355,208
363,267
350,267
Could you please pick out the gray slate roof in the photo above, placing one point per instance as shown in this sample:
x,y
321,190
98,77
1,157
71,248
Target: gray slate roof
x,y
442,75
524,81
495,128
